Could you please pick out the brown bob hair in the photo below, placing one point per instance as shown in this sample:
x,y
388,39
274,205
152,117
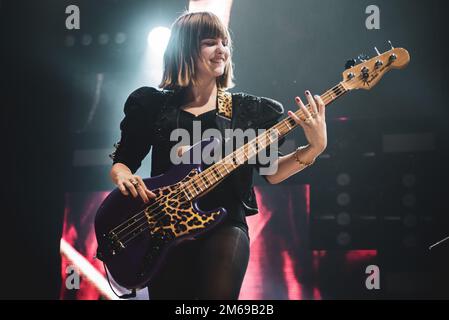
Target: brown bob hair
x,y
183,49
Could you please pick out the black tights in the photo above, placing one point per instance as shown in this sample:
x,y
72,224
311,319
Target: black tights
x,y
211,267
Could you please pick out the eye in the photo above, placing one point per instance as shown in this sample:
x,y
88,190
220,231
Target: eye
x,y
212,42
208,42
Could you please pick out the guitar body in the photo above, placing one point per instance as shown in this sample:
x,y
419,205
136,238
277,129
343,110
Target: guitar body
x,y
134,237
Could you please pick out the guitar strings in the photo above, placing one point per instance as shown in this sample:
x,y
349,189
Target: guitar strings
x,y
156,214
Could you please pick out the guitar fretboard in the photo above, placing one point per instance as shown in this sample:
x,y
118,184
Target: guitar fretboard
x,y
214,174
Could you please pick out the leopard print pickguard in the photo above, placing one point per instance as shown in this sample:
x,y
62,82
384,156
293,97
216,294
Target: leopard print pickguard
x,y
176,218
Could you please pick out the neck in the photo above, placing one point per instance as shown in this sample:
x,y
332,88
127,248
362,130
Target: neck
x,y
202,92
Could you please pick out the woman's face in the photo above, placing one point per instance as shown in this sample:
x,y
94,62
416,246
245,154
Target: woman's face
x,y
214,55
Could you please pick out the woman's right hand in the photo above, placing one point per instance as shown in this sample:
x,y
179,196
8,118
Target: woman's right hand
x,y
128,182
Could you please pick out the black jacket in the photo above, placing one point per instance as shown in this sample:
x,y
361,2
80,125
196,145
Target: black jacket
x,y
150,116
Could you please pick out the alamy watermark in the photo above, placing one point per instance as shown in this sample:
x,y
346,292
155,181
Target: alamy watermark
x,y
373,279
373,20
73,19
72,282
233,139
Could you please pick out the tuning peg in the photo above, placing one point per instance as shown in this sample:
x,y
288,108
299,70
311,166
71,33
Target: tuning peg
x,y
349,64
390,44
377,51
362,57
365,73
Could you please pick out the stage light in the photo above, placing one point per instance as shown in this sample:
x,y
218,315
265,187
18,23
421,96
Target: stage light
x,y
343,239
120,38
343,179
86,39
87,270
152,63
222,8
103,39
343,199
158,39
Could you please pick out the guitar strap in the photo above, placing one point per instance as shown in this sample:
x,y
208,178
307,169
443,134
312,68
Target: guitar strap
x,y
224,113
224,104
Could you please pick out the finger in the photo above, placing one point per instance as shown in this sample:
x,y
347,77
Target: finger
x,y
145,189
179,151
122,189
141,190
320,103
141,183
140,187
295,117
305,112
131,188
150,194
182,150
311,102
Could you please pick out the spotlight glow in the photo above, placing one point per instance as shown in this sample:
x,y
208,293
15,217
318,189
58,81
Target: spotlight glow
x,y
158,39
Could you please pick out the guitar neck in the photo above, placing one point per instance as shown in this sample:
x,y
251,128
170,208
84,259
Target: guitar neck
x,y
213,175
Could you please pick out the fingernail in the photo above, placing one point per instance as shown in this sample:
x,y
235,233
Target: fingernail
x,y
307,92
297,98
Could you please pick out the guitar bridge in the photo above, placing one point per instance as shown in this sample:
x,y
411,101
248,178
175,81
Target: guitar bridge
x,y
113,246
158,240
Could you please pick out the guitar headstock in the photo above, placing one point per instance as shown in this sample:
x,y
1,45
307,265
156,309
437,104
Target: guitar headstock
x,y
367,74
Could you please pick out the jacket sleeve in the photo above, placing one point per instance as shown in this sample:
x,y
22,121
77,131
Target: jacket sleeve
x,y
136,137
271,112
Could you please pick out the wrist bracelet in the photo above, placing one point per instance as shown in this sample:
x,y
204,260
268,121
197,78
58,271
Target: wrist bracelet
x,y
305,164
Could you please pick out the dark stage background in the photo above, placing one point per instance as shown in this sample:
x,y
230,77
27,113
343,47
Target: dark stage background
x,y
376,196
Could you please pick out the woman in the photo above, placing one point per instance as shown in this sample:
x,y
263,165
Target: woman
x,y
197,70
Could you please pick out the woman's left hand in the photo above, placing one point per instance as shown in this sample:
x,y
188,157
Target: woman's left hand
x,y
313,122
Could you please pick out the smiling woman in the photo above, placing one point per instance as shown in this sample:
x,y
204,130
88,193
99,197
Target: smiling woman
x,y
197,37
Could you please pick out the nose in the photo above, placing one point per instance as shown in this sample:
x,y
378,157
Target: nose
x,y
221,53
221,47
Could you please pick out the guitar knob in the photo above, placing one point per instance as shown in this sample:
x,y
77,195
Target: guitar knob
x,y
378,64
362,57
392,57
349,64
391,45
365,72
377,51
